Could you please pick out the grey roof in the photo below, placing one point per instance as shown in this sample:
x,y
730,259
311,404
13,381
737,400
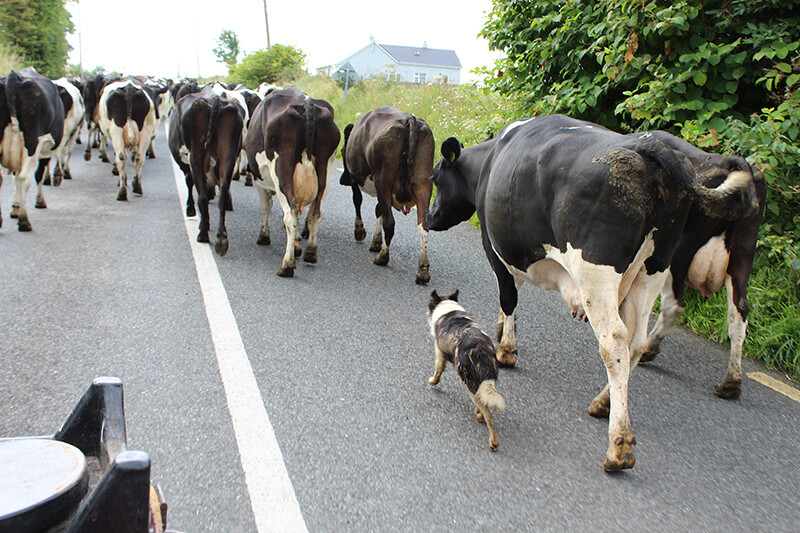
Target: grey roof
x,y
423,55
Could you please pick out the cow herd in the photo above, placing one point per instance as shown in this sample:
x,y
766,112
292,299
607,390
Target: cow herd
x,y
610,221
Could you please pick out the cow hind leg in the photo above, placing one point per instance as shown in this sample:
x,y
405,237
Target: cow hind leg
x,y
671,310
44,167
423,266
122,193
290,222
265,198
313,222
190,209
600,300
359,232
377,237
382,258
731,386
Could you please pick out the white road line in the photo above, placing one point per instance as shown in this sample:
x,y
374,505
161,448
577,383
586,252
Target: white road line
x,y
272,497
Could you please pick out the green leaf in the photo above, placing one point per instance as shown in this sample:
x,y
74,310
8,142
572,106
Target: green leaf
x,y
717,123
700,78
791,80
680,88
784,67
714,59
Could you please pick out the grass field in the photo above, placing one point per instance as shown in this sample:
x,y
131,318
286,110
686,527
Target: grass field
x,y
470,113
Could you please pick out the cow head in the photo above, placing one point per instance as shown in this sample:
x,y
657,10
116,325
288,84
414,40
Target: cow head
x,y
455,195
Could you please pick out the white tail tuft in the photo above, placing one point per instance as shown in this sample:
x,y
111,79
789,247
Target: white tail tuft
x,y
487,394
736,180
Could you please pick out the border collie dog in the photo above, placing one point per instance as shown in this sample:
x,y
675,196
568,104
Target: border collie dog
x,y
462,342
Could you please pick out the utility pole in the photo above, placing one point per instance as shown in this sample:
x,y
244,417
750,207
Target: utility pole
x,y
266,22
80,43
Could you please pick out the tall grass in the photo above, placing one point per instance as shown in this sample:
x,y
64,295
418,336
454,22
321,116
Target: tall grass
x,y
10,59
463,111
469,113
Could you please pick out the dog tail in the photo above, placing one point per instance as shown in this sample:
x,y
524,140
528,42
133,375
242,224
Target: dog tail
x,y
487,394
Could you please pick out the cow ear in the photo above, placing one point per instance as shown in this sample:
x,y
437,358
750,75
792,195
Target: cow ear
x,y
451,149
347,130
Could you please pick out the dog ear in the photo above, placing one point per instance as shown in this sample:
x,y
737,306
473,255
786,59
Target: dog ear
x,y
435,297
453,296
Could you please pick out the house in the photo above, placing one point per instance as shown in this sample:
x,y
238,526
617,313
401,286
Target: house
x,y
403,63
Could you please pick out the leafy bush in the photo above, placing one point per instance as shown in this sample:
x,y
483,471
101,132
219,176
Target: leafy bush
x,y
38,29
279,64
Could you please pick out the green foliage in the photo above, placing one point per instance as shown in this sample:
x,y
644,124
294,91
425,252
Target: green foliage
x,y
227,49
280,64
38,28
633,64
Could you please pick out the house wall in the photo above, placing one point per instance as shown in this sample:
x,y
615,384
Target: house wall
x,y
373,61
408,73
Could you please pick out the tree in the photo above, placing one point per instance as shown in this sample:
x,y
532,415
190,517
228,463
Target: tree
x,y
227,50
38,28
281,63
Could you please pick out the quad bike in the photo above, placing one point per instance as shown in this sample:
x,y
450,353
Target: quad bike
x,y
83,479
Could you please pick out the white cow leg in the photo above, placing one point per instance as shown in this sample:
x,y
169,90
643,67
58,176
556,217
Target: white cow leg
x,y
671,311
122,193
424,266
22,182
138,165
313,222
265,198
600,301
377,238
290,222
731,386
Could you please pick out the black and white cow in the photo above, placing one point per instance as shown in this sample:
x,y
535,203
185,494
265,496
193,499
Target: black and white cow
x,y
92,90
74,111
291,145
389,155
31,128
162,96
127,116
571,206
712,252
205,138
238,98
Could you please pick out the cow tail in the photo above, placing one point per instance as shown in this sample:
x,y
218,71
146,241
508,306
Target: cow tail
x,y
311,112
13,82
412,134
213,118
735,197
346,178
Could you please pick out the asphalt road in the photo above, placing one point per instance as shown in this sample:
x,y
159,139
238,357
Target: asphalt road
x,y
341,355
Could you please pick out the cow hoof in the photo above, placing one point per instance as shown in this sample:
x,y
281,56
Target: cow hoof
x,y
729,389
24,225
310,255
122,195
47,181
479,415
150,154
423,276
221,246
68,175
285,272
14,211
298,250
203,236
649,354
304,234
136,186
41,204
620,454
248,181
360,233
87,156
375,246
382,259
600,407
57,181
114,170
95,144
229,204
190,211
506,356
263,238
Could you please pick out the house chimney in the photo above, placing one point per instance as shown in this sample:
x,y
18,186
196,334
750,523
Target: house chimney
x,y
424,44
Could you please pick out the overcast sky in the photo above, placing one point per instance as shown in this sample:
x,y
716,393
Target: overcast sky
x,y
174,38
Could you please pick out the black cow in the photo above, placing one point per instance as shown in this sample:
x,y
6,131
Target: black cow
x,y
572,206
291,145
712,251
92,89
389,154
205,138
31,128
